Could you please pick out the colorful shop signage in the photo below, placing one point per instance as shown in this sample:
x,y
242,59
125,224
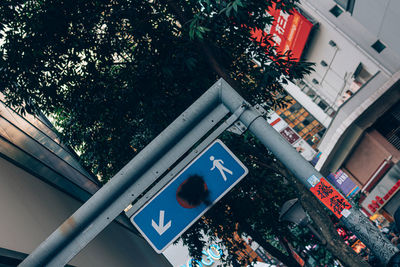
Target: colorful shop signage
x,y
329,196
343,182
289,31
383,191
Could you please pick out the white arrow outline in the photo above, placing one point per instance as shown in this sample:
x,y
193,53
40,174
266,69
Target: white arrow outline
x,y
161,228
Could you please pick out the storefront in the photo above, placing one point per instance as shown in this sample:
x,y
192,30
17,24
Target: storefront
x,y
384,198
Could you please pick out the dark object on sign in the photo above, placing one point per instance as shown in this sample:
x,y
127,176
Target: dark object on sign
x,y
193,192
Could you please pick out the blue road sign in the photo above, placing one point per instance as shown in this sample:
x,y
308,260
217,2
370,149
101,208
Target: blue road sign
x,y
163,219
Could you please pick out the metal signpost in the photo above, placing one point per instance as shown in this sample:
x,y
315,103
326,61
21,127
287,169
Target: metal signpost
x,y
164,151
163,218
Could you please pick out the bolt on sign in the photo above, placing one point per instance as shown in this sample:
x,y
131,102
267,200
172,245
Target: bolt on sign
x,y
329,196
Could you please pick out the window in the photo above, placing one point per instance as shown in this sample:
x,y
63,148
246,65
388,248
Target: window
x,y
300,120
308,91
347,5
378,46
315,81
361,75
294,107
336,11
331,112
322,105
297,128
310,142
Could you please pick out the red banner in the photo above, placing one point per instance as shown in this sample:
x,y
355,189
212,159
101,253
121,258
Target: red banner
x,y
331,198
289,31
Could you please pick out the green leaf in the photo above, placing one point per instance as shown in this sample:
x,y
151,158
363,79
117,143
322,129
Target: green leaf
x,y
228,11
199,35
234,5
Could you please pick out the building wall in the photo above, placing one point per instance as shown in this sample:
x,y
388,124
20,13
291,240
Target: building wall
x,y
340,54
371,20
344,61
31,210
381,17
368,155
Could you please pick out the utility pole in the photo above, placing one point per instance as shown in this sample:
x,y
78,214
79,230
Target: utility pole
x,y
164,151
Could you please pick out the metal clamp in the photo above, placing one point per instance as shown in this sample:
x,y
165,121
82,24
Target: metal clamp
x,y
239,128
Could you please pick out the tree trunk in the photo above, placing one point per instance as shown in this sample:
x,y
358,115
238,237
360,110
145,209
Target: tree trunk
x,y
334,243
287,260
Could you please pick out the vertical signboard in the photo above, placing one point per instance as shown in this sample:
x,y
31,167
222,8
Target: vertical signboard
x,y
329,196
289,31
343,182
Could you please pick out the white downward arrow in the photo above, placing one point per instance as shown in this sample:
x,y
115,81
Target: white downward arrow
x,y
160,227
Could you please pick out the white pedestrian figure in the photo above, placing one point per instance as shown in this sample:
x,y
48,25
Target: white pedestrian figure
x,y
218,163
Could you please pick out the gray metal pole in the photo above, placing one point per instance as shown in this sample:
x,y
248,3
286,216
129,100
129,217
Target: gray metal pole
x,y
92,217
356,221
107,203
302,170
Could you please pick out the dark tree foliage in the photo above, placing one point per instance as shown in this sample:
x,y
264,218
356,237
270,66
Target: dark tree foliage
x,y
114,74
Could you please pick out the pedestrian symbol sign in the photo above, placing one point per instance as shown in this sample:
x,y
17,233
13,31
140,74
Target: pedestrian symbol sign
x,y
164,218
219,164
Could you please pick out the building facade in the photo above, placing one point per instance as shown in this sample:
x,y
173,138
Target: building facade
x,y
354,93
42,184
348,108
